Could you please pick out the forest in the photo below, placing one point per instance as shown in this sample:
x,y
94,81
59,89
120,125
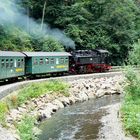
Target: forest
x,y
58,25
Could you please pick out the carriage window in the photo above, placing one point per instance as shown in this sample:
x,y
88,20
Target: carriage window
x,y
35,62
18,63
2,63
52,61
47,60
62,60
7,63
22,62
66,60
11,63
41,61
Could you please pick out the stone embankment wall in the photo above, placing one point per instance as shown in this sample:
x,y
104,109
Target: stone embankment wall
x,y
80,90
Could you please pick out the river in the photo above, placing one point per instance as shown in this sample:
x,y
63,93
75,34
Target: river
x,y
80,121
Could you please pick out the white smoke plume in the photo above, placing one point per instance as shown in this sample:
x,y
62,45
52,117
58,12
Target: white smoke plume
x,y
10,14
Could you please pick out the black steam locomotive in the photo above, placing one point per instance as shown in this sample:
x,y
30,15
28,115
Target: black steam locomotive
x,y
89,61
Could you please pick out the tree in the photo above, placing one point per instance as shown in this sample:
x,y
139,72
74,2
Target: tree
x,y
52,45
134,54
111,24
13,38
107,24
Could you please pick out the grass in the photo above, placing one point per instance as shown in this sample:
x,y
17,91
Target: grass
x,y
25,128
3,111
131,106
37,89
31,91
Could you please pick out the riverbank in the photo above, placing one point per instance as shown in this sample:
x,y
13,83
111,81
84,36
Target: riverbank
x,y
46,105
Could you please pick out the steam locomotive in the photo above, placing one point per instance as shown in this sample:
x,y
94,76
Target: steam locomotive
x,y
89,61
30,64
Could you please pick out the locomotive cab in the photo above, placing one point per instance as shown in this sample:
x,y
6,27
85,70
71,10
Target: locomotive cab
x,y
104,60
104,56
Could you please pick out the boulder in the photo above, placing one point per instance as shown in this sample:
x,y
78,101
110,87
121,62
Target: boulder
x,y
14,114
46,113
58,103
91,94
22,110
65,101
100,93
83,96
52,107
72,100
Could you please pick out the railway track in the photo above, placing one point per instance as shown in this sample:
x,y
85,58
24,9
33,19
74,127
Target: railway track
x,y
7,89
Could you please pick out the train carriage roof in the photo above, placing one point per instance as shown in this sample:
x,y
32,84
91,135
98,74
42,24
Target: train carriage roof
x,y
10,53
101,50
31,54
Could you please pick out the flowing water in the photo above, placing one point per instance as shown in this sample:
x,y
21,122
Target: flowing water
x,y
77,122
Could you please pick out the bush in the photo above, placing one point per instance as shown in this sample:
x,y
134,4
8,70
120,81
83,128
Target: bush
x,y
131,105
134,54
25,128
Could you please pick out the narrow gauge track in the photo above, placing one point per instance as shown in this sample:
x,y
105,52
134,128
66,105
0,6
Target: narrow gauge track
x,y
7,89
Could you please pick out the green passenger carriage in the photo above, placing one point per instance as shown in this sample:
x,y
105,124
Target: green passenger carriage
x,y
46,62
12,64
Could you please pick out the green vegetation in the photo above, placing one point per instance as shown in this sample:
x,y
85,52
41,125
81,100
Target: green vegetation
x,y
33,90
131,105
3,111
13,38
25,128
37,89
109,24
134,55
16,39
50,44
